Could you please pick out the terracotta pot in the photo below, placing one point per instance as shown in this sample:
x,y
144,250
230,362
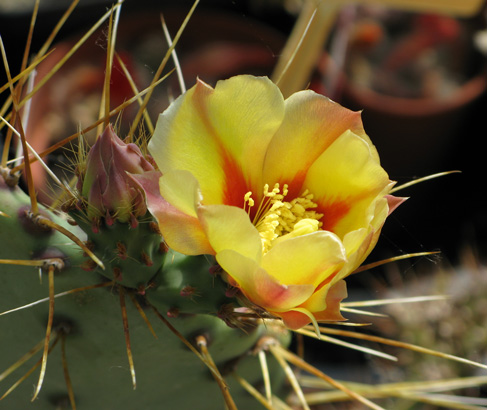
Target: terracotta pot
x,y
415,76
415,136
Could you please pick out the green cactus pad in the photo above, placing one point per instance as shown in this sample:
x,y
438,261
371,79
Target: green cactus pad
x,y
168,374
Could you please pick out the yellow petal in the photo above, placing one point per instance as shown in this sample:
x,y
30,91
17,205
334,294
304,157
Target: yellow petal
x,y
220,135
345,180
333,295
245,112
320,307
312,123
305,260
181,189
181,231
258,286
178,220
229,227
300,318
361,242
181,141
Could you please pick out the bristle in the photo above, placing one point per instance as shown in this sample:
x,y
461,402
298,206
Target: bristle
x,y
127,335
48,333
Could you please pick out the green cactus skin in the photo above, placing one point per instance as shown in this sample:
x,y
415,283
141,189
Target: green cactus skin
x,y
133,255
169,375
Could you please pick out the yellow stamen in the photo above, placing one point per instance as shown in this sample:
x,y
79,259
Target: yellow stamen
x,y
276,218
248,202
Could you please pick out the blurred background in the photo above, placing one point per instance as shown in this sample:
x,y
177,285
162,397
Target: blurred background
x,y
420,80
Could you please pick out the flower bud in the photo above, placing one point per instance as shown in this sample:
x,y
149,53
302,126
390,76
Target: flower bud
x,y
107,188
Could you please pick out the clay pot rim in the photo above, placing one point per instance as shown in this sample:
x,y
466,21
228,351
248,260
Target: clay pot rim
x,y
418,107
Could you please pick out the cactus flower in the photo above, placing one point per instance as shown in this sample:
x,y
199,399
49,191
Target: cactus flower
x,y
289,195
106,185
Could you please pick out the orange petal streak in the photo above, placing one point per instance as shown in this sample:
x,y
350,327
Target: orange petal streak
x,y
235,185
333,212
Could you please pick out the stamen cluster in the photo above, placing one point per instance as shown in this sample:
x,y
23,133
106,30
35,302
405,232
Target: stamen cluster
x,y
276,218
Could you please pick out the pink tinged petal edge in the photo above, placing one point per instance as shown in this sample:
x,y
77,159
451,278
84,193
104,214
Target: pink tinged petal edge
x,y
299,317
181,189
394,202
361,242
258,286
323,299
181,232
335,295
383,209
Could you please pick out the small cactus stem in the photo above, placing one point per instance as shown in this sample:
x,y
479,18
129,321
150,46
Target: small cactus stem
x,y
33,368
202,343
142,313
43,221
126,332
48,332
67,378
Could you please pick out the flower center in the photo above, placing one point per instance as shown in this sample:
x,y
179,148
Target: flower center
x,y
277,219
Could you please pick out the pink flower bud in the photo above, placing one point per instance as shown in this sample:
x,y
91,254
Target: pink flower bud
x,y
106,186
